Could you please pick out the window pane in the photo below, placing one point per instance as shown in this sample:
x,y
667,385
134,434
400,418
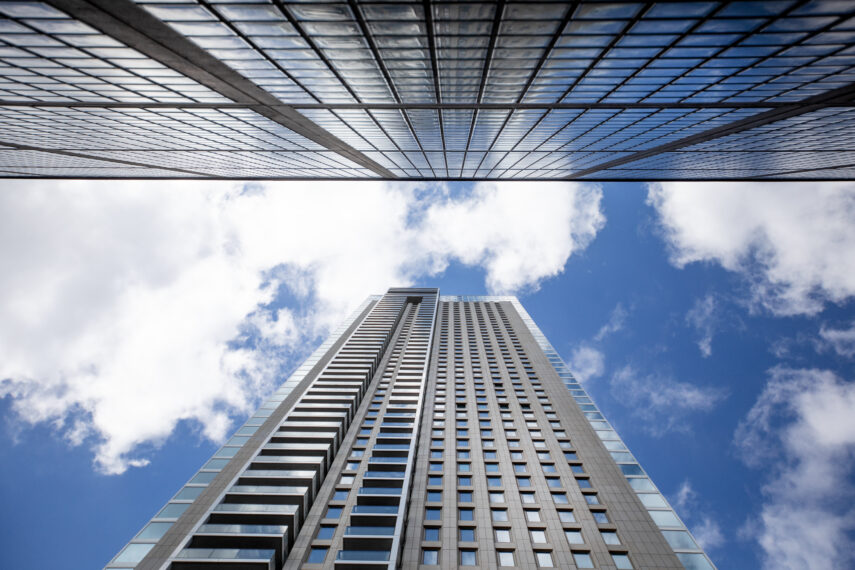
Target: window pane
x,y
430,556
317,555
583,560
506,558
544,560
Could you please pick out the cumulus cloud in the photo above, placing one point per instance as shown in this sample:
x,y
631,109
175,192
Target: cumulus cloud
x,y
841,340
794,243
702,316
662,403
127,308
801,432
587,362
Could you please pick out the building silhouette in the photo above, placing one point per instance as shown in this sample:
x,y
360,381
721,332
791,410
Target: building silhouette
x,y
279,89
428,431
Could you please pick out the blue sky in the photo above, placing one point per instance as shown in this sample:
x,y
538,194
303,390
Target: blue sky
x,y
713,324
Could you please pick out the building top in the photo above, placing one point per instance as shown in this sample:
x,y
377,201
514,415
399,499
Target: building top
x,y
427,90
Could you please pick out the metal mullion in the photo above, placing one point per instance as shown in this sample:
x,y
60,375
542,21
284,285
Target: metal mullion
x,y
426,6
372,45
548,50
781,174
680,37
617,37
131,25
534,126
809,36
816,102
778,129
508,106
732,44
322,56
254,46
76,154
205,129
488,60
66,44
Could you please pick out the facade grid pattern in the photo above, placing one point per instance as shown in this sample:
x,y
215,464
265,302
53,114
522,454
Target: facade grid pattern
x,y
427,89
429,432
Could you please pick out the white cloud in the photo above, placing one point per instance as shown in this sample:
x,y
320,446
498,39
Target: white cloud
x,y
708,534
662,403
616,323
841,340
703,318
587,362
705,529
128,307
793,241
801,432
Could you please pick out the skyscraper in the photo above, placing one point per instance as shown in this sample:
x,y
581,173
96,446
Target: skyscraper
x,y
427,431
427,89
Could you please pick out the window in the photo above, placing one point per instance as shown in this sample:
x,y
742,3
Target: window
x,y
432,513
435,480
464,467
560,498
500,515
592,500
519,467
544,559
610,537
622,561
574,536
326,532
340,496
600,517
434,496
430,556
497,497
566,516
467,535
492,467
583,560
548,468
538,536
527,497
431,533
503,535
584,483
506,558
436,466
468,558
333,512
464,496
524,481
467,514
346,480
494,481
532,515
553,481
317,554
464,481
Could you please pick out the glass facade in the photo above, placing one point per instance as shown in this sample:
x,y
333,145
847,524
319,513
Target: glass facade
x,y
433,89
427,430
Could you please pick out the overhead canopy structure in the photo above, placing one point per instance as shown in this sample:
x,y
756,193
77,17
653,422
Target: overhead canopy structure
x,y
428,90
